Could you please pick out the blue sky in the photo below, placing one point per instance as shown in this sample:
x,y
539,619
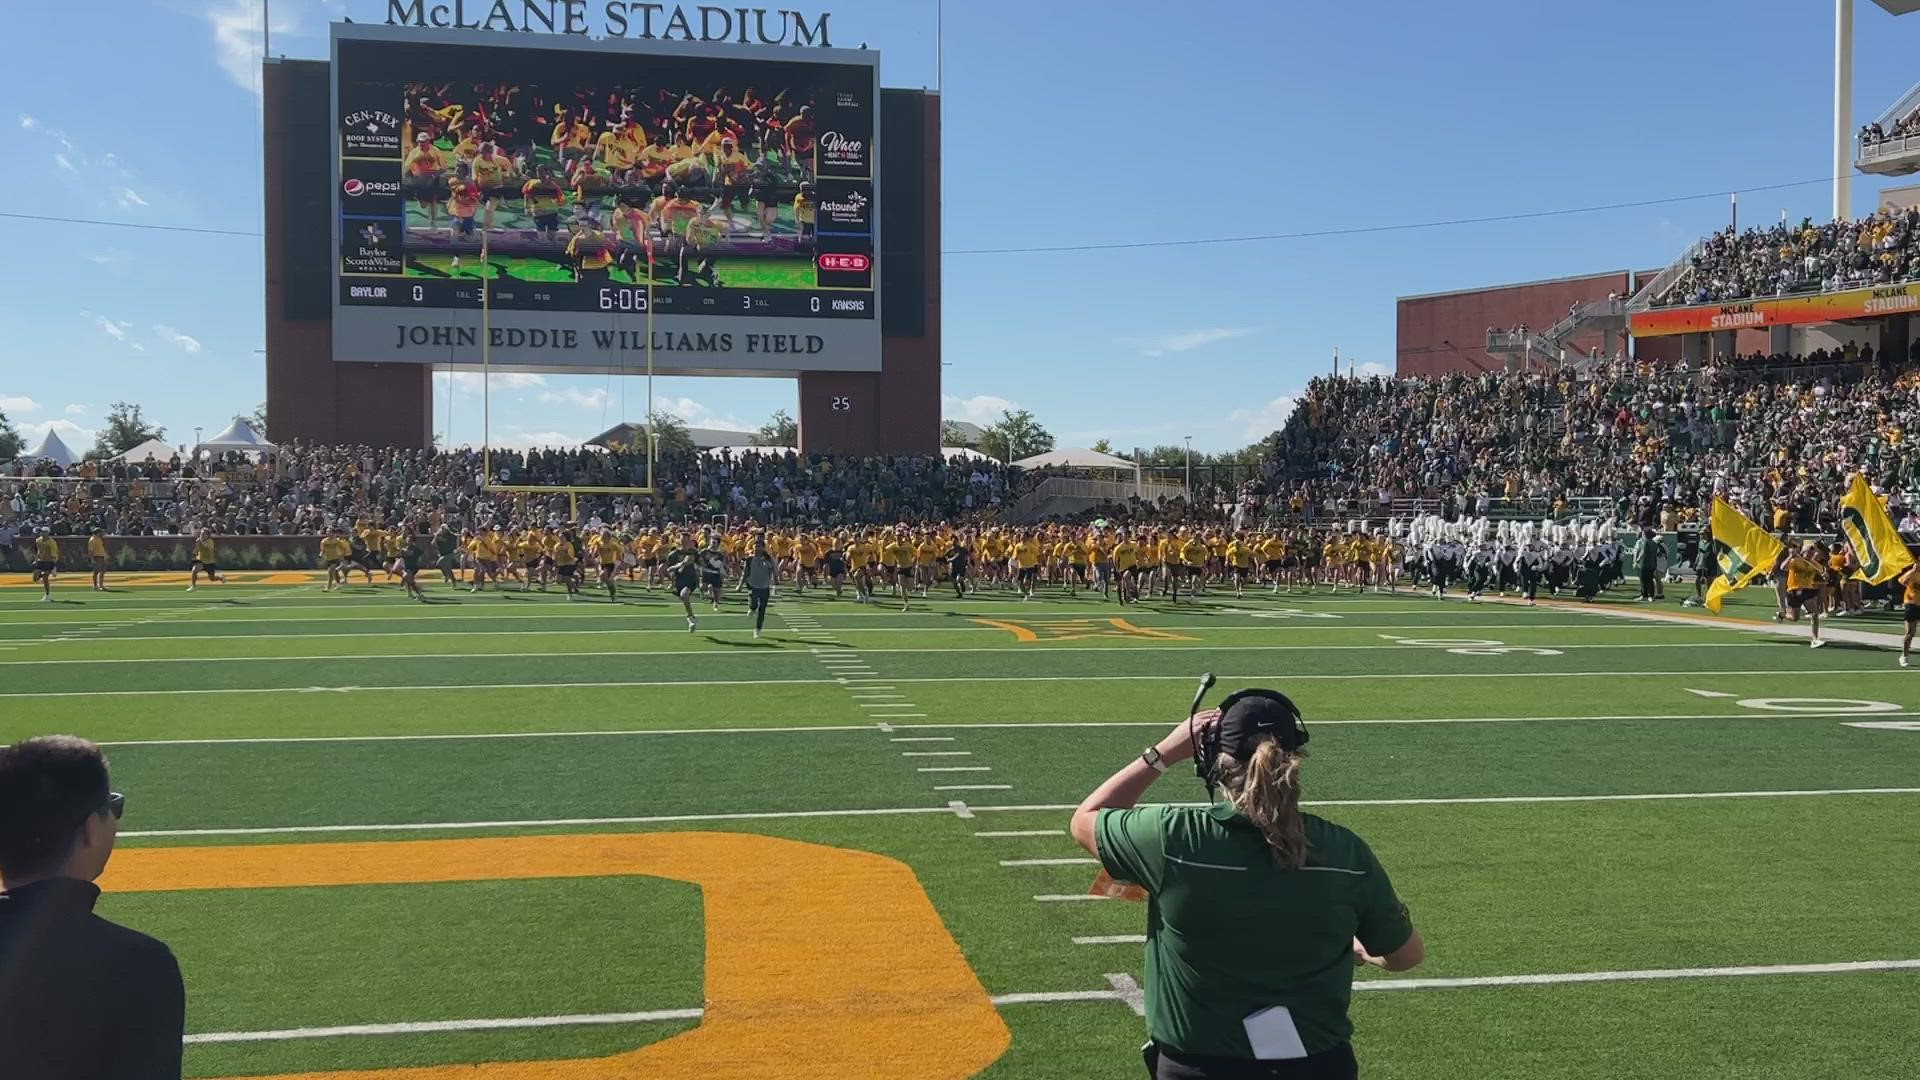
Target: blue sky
x,y
1066,123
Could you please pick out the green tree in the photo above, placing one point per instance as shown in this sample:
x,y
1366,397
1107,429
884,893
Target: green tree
x,y
257,419
1014,436
671,436
952,434
11,444
779,430
1101,446
125,429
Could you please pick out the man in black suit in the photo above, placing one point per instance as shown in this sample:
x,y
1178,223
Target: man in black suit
x,y
80,998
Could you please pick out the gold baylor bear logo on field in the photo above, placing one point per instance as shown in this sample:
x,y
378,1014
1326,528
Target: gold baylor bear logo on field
x,y
1031,630
819,961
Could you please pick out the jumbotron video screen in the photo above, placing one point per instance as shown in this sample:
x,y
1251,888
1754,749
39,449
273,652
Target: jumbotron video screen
x,y
581,183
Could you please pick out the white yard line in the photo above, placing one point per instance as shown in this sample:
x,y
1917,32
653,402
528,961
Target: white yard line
x,y
1103,677
1121,988
1112,939
777,815
817,642
1045,724
847,665
1050,862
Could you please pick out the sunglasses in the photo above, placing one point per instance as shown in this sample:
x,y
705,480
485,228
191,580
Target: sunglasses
x,y
116,804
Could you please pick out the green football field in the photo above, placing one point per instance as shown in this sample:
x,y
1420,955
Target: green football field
x,y
513,829
731,272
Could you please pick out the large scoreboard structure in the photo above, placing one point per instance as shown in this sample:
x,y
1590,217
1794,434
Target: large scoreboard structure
x,y
468,200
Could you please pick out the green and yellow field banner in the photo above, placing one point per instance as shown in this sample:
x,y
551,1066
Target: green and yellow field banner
x,y
1743,549
1877,546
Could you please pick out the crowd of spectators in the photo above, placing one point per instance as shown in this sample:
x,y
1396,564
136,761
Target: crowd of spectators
x,y
1873,134
1783,259
301,490
1638,440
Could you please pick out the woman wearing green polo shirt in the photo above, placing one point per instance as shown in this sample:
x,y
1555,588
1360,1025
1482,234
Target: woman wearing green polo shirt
x,y
1257,913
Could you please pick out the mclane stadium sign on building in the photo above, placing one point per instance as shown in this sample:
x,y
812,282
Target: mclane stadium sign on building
x,y
617,19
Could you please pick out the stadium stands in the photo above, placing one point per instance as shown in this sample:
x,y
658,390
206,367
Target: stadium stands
x,y
1809,257
1774,435
302,489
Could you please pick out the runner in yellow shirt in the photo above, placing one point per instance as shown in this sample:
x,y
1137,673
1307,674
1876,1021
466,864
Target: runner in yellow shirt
x,y
204,558
97,555
46,563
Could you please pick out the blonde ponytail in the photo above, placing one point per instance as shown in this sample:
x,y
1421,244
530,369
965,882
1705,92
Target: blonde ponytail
x,y
1267,790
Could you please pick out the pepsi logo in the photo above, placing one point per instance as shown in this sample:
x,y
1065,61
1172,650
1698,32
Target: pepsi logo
x,y
353,186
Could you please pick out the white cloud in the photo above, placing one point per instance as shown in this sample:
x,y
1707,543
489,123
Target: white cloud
x,y
982,409
1258,423
236,38
524,440
19,403
77,438
61,160
468,382
1372,368
113,328
1180,341
184,342
127,198
694,414
28,122
585,399
76,410
137,347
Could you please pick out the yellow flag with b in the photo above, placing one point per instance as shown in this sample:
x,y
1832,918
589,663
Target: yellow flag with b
x,y
1743,550
1877,546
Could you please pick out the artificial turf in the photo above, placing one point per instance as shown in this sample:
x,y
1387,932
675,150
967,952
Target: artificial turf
x,y
633,720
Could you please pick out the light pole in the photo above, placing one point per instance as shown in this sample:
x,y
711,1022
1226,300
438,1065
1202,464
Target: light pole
x,y
1189,441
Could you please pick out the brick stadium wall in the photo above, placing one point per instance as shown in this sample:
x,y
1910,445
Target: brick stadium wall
x,y
1443,333
176,552
309,397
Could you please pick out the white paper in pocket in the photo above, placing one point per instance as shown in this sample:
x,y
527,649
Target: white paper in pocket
x,y
1273,1036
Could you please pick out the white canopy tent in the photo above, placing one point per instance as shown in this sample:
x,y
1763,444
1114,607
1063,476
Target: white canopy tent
x,y
239,435
1077,457
151,450
967,452
52,449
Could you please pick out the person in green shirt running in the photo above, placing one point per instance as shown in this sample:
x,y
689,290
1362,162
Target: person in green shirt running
x,y
1257,913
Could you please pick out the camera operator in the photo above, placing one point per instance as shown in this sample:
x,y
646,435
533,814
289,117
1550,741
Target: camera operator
x,y
1257,913
80,998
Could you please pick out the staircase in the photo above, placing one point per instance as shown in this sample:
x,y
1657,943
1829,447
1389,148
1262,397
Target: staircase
x,y
1550,345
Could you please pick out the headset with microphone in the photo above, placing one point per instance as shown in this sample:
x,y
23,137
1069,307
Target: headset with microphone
x,y
1245,717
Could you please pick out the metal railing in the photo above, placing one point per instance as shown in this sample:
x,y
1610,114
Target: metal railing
x,y
1665,279
1866,153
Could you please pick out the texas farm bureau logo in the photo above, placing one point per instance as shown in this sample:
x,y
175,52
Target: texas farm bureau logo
x,y
837,151
848,213
370,132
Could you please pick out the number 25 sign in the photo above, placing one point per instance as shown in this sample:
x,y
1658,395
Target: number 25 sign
x,y
842,403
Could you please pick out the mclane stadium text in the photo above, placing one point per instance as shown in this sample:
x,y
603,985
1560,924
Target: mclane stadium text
x,y
618,19
1736,317
605,340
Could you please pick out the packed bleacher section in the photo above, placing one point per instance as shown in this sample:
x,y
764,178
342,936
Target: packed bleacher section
x,y
1648,444
1784,259
1872,135
302,490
